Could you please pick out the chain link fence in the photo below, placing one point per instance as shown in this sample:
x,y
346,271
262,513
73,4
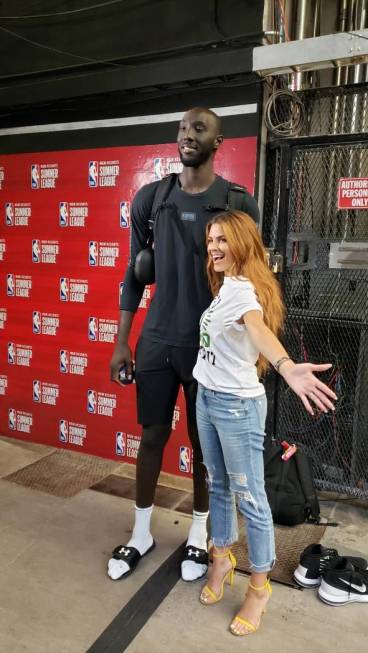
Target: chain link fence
x,y
326,324
313,200
325,285
337,110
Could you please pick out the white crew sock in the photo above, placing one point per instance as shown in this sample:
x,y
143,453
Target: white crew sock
x,y
197,537
141,537
141,540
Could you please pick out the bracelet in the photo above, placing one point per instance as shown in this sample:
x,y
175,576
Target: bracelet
x,y
282,360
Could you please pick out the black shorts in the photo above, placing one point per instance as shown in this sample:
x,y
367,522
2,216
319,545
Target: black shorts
x,y
160,369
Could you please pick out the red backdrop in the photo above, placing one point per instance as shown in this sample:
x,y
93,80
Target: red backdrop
x,y
63,252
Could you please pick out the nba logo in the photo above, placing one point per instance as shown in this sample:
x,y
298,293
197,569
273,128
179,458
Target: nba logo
x,y
124,215
9,213
11,353
92,328
63,430
93,252
10,285
63,214
12,418
35,175
64,361
35,251
36,391
158,168
36,322
184,459
93,174
64,289
120,444
92,401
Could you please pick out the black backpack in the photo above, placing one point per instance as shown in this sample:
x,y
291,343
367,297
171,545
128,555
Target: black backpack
x,y
290,488
144,267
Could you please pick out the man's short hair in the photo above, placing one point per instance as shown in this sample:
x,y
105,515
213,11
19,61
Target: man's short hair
x,y
217,118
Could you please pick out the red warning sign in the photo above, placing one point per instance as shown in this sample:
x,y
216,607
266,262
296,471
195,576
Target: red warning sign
x,y
352,193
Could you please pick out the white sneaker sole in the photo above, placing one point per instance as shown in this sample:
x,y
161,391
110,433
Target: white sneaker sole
x,y
333,596
299,576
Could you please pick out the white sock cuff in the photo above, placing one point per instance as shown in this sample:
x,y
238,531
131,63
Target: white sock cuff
x,y
200,516
147,510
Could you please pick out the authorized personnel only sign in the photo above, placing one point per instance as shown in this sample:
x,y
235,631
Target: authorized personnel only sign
x,y
352,193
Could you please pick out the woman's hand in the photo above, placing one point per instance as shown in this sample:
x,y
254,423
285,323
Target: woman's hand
x,y
300,377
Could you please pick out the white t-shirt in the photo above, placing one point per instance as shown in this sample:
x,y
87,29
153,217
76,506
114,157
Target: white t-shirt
x,y
227,358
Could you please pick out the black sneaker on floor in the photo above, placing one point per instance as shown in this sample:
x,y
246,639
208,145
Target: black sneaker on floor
x,y
343,583
314,561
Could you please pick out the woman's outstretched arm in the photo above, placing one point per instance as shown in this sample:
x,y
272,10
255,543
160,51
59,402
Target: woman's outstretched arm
x,y
299,376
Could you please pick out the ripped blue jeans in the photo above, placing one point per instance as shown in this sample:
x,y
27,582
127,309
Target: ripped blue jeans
x,y
231,431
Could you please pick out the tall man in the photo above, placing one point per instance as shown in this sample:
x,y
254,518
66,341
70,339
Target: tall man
x,y
167,349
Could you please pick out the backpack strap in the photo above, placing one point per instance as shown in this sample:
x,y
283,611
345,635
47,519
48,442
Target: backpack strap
x,y
235,197
305,475
162,192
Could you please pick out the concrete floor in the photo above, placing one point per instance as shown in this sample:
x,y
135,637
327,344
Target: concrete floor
x,y
56,598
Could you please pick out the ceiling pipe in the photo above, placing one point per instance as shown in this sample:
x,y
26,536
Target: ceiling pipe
x,y
359,71
341,72
306,26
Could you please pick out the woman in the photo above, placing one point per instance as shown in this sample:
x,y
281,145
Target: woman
x,y
238,335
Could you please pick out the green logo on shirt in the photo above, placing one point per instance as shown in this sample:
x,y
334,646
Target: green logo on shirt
x,y
205,339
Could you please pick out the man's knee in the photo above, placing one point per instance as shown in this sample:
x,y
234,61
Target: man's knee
x,y
155,437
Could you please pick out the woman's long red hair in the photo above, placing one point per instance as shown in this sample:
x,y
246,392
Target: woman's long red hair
x,y
250,261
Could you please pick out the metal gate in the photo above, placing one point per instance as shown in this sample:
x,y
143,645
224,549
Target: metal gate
x,y
325,285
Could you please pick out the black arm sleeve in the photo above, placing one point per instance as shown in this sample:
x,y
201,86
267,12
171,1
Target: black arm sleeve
x,y
139,231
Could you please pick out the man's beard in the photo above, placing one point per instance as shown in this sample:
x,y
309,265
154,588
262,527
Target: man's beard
x,y
195,159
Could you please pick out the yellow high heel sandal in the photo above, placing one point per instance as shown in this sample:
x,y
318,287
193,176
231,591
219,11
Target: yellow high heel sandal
x,y
207,595
251,628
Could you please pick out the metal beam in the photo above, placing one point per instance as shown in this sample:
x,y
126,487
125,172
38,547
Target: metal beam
x,y
204,65
317,53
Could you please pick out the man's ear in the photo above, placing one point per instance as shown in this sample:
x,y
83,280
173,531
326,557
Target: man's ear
x,y
218,140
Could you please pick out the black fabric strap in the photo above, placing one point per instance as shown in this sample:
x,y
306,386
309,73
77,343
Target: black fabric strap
x,y
235,197
162,192
307,485
128,554
235,200
199,556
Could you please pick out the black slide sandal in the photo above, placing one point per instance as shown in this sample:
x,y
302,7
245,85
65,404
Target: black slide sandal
x,y
131,556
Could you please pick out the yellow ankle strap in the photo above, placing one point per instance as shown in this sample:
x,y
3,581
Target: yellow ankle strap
x,y
266,586
222,555
227,554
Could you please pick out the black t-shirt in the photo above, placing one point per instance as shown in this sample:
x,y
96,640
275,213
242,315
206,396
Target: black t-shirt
x,y
182,291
